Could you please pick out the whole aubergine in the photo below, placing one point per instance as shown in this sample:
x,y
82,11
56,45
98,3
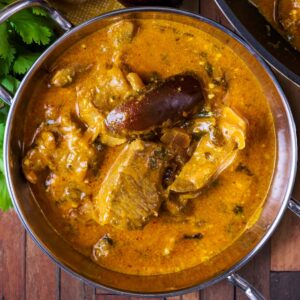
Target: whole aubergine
x,y
175,98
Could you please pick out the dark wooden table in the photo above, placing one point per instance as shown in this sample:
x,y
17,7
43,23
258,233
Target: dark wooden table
x,y
27,273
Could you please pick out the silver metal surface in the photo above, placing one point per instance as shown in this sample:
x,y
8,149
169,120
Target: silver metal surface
x,y
246,287
294,206
62,253
5,95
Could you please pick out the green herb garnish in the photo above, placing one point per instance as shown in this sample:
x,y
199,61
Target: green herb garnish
x,y
203,114
238,210
209,69
244,169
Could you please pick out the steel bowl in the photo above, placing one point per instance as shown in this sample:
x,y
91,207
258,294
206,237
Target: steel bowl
x,y
265,40
234,257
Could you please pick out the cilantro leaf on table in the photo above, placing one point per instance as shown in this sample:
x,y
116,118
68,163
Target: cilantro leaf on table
x,y
39,11
3,114
10,83
22,38
5,48
31,28
23,62
5,202
4,67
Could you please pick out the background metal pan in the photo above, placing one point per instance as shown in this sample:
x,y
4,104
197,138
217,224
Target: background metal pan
x,y
268,43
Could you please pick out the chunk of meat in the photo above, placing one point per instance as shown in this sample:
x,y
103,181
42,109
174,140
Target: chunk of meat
x,y
175,98
39,157
113,88
200,126
121,33
66,157
102,247
94,119
117,82
207,162
75,152
176,138
131,192
88,113
63,77
233,127
175,203
110,140
209,159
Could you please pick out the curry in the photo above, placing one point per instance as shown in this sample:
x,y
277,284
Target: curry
x,y
284,16
150,146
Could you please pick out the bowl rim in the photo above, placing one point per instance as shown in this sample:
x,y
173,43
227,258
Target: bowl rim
x,y
255,44
269,231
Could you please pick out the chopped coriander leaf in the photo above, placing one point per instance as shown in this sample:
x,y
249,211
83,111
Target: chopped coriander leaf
x,y
196,236
244,169
209,69
152,162
203,114
238,210
161,153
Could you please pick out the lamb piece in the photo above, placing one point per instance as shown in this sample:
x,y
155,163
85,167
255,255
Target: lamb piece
x,y
122,33
118,85
63,77
201,126
102,247
177,141
39,157
209,158
131,192
176,138
88,113
114,85
94,119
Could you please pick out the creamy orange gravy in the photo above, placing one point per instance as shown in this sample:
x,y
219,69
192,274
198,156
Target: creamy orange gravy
x,y
166,48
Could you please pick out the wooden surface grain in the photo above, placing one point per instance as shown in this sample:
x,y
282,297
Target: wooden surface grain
x,y
27,273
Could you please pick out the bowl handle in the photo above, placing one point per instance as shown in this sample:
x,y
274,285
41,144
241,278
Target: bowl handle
x,y
246,287
294,206
13,8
